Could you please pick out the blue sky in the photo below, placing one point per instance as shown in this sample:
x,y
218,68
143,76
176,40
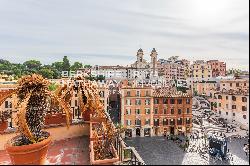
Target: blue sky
x,y
108,32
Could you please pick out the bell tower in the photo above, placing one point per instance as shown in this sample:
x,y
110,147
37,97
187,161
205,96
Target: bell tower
x,y
154,55
140,56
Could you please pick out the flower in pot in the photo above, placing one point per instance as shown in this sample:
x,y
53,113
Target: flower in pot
x,y
33,101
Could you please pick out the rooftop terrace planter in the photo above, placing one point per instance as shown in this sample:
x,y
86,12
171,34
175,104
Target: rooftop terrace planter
x,y
32,154
54,119
104,161
97,119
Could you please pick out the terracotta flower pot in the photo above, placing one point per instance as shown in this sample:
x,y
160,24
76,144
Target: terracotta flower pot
x,y
34,154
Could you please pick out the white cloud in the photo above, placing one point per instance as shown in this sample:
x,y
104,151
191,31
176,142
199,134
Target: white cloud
x,y
194,29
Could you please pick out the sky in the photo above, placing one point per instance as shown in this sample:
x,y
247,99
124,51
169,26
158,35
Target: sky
x,y
109,32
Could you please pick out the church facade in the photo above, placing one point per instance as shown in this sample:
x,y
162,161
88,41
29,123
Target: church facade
x,y
140,69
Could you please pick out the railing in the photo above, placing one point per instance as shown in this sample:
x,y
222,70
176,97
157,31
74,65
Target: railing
x,y
127,155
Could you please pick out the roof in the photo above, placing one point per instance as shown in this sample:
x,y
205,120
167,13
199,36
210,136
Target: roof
x,y
112,67
234,92
168,92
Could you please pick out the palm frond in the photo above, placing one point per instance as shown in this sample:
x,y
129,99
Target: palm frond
x,y
21,117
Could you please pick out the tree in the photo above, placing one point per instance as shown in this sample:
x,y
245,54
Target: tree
x,y
100,78
46,73
32,65
66,64
76,66
58,66
5,65
87,66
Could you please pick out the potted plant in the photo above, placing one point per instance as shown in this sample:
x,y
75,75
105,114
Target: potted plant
x,y
33,100
102,131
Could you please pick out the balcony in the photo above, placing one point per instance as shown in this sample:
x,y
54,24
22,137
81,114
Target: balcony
x,y
71,147
68,146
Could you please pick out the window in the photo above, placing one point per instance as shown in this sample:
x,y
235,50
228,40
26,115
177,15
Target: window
x,y
172,122
226,97
6,104
233,106
128,102
244,117
179,121
179,101
156,111
171,101
165,122
219,97
187,101
156,101
226,113
156,122
237,84
138,93
231,84
138,111
233,98
128,111
188,111
147,122
219,112
244,99
165,111
227,106
128,94
137,102
76,103
147,93
219,104
188,121
244,108
179,111
147,111
165,101
172,111
233,114
128,122
147,102
137,122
